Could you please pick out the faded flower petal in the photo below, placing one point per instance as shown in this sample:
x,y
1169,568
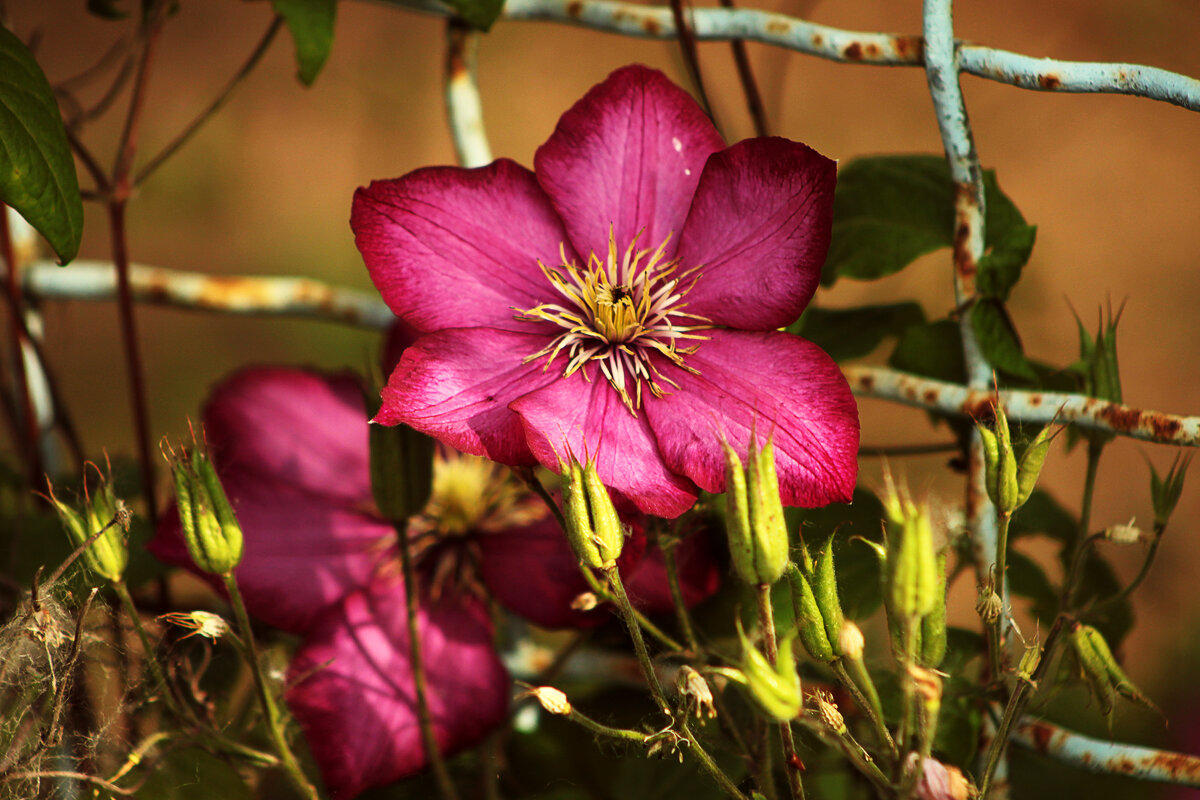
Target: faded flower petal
x,y
353,693
760,226
627,158
451,248
778,385
588,419
457,384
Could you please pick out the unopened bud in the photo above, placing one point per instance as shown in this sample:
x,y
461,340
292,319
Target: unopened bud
x,y
758,539
1032,461
210,527
1123,534
1029,661
585,601
850,641
809,623
1000,463
553,700
825,589
696,693
593,527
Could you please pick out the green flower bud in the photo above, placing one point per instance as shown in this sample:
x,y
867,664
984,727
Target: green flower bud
x,y
593,527
1165,492
911,579
401,468
754,523
775,688
809,620
1100,669
933,624
106,554
210,527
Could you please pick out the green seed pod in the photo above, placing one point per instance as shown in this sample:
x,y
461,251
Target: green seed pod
x,y
608,533
1094,668
991,460
766,515
210,527
825,589
577,517
737,517
775,688
1116,676
1165,492
933,625
809,619
107,554
1007,489
1031,464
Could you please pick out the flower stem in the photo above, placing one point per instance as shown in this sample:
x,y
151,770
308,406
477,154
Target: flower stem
x,y
1079,544
681,609
148,649
265,697
420,683
766,619
649,627
862,689
996,633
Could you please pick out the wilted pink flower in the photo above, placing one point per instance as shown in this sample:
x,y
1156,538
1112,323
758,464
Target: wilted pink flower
x,y
621,301
941,782
292,449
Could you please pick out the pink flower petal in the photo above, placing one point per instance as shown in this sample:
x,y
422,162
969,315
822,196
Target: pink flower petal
x,y
450,247
359,713
781,386
760,225
626,156
588,420
295,426
456,385
699,575
533,573
301,552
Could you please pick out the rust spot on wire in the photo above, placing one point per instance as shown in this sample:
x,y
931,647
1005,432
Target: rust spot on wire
x,y
872,51
1119,417
910,47
1179,766
966,206
818,40
1164,427
853,51
1041,734
574,9
931,396
1035,400
651,26
1049,81
779,27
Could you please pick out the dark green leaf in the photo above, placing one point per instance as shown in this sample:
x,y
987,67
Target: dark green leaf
x,y
857,565
311,25
1098,583
933,350
1000,268
1042,514
890,210
1027,579
998,339
855,332
480,14
37,172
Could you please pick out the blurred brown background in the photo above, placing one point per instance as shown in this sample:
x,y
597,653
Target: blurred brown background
x,y
1112,181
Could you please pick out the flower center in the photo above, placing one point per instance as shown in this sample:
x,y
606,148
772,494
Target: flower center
x,y
620,310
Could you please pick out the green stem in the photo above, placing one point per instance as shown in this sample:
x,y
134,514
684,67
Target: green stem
x,y
1079,543
649,627
996,628
766,619
599,729
866,697
270,708
681,609
420,682
1141,576
148,648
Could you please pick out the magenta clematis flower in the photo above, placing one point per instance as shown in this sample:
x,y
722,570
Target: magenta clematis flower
x,y
292,449
621,300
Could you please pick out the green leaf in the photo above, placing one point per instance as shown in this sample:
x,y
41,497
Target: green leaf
x,y
37,172
933,350
479,14
855,332
1098,583
998,339
311,25
1000,268
1043,514
890,210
